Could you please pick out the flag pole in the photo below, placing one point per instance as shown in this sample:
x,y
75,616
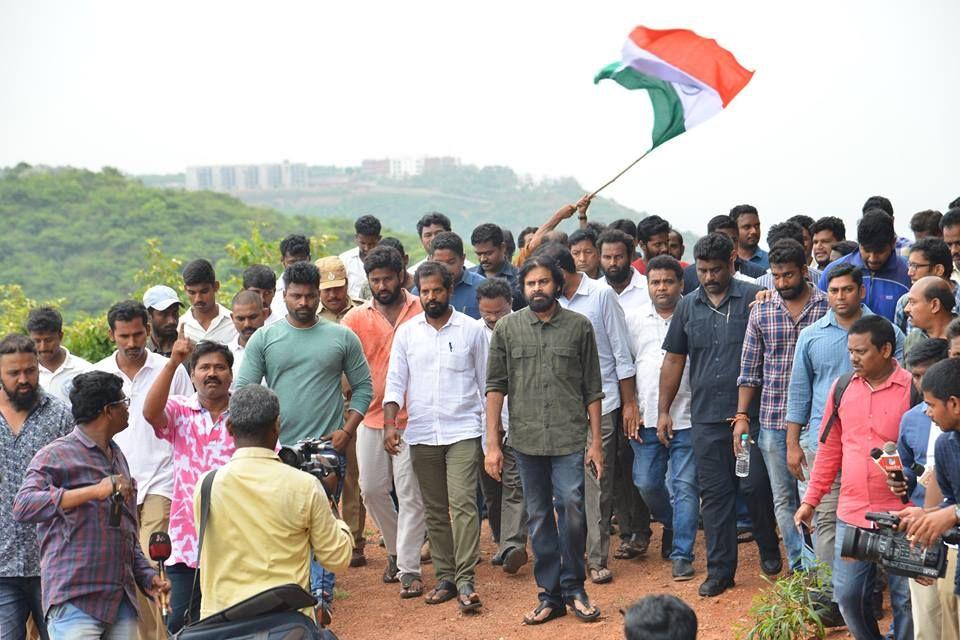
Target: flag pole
x,y
614,178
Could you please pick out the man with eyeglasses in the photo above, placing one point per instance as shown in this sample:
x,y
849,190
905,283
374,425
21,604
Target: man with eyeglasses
x,y
70,490
927,257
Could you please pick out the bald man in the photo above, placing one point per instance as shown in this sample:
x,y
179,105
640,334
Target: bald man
x,y
930,303
248,315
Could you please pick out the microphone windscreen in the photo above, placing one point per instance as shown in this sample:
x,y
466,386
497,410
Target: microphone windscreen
x,y
159,546
875,453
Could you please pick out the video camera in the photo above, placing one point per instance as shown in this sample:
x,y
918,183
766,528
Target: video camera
x,y
316,457
890,548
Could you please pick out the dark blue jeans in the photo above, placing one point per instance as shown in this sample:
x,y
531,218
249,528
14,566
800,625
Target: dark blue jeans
x,y
322,581
181,585
19,598
556,483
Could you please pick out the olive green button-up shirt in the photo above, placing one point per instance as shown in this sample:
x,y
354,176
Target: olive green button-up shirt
x,y
551,373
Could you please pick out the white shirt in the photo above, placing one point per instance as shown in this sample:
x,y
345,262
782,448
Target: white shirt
x,y
278,308
412,270
647,331
221,328
237,350
505,412
601,305
439,376
274,316
59,383
356,275
635,298
150,459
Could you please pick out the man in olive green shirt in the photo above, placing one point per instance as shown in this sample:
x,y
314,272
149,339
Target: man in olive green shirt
x,y
545,358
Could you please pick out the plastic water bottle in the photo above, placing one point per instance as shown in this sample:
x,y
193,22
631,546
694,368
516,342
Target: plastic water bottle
x,y
743,458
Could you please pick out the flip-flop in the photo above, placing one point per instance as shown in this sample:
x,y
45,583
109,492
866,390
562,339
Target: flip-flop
x,y
555,612
571,602
444,591
468,598
412,586
601,575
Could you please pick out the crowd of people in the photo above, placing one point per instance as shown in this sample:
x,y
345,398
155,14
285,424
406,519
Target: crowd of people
x,y
570,389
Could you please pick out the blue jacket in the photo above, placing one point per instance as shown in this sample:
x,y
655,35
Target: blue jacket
x,y
912,446
884,287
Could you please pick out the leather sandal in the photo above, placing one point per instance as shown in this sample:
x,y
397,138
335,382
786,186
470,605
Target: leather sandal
x,y
445,590
556,611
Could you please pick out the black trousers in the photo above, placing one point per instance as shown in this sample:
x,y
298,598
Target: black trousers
x,y
713,450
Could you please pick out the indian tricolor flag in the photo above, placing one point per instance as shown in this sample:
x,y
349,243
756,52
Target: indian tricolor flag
x,y
689,78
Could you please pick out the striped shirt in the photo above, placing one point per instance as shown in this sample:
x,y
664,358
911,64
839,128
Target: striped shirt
x,y
768,348
83,559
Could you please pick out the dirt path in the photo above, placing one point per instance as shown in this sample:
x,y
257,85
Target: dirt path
x,y
368,609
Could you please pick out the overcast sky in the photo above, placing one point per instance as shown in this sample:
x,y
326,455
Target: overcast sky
x,y
849,98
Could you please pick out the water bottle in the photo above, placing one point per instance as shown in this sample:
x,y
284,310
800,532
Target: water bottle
x,y
743,458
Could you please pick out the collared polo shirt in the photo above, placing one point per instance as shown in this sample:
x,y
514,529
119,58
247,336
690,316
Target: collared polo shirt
x,y
712,338
438,375
601,306
59,383
760,257
550,372
150,459
376,336
221,328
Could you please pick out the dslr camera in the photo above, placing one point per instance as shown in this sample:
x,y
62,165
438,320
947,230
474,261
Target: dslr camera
x,y
316,457
890,548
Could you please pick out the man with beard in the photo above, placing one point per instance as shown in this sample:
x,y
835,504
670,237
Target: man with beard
x,y
489,244
633,517
676,246
92,572
195,426
747,219
708,328
335,302
367,237
447,249
375,323
163,307
653,238
58,367
306,357
294,248
600,304
247,312
545,358
206,319
29,420
789,230
150,459
886,278
766,362
437,370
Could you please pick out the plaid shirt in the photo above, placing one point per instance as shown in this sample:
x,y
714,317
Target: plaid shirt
x,y
83,560
768,349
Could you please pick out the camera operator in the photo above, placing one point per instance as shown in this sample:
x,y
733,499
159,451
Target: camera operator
x,y
941,392
265,517
868,415
932,602
79,491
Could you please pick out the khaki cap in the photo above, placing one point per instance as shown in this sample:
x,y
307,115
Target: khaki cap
x,y
332,272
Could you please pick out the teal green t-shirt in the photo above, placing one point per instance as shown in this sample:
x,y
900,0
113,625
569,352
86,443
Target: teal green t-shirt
x,y
303,367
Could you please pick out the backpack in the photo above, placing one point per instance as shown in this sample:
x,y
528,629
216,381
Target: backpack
x,y
842,383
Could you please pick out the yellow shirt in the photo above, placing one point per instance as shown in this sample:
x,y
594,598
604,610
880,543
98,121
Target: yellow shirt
x,y
265,517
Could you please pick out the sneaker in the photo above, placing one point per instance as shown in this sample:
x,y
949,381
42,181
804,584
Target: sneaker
x,y
682,570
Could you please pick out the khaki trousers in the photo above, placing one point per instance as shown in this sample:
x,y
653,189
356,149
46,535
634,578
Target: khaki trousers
x,y
447,475
351,503
154,516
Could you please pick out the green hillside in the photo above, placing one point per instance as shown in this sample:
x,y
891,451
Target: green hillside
x,y
80,235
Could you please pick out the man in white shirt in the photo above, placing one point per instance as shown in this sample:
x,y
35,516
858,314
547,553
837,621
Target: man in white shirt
x,y
293,249
437,370
505,506
616,255
367,236
58,367
206,319
150,459
598,302
674,501
247,314
260,279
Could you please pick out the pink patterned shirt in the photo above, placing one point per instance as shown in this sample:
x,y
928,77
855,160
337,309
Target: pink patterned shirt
x,y
199,445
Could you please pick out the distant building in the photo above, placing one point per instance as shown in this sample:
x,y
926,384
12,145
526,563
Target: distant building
x,y
406,166
263,177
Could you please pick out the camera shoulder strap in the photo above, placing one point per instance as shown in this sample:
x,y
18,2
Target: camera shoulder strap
x,y
206,488
842,383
